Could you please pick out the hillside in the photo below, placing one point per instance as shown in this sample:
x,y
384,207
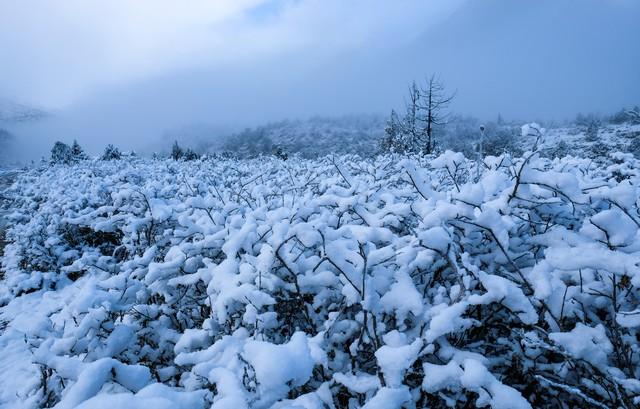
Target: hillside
x,y
576,140
362,135
12,112
310,138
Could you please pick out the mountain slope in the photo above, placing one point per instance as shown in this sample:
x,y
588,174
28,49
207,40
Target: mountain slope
x,y
311,138
13,112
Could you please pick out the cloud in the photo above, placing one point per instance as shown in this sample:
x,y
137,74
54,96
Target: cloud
x,y
130,71
57,48
57,51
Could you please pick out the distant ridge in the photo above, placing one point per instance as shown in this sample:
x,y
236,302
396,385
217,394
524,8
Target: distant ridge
x,y
13,112
317,136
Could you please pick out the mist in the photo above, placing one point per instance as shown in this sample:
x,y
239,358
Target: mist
x,y
139,75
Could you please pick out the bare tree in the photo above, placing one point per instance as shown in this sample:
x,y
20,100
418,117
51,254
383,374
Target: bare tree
x,y
433,104
425,109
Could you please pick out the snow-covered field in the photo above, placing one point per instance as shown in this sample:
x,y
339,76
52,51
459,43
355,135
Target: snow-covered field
x,y
609,138
339,282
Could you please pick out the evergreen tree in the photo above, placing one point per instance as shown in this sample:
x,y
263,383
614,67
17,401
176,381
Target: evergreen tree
x,y
190,154
393,134
61,153
412,120
111,153
77,153
176,151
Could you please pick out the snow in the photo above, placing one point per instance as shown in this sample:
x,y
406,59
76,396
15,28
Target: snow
x,y
361,383
449,160
628,319
531,130
439,377
92,378
155,396
394,358
389,398
386,282
583,342
501,290
446,319
230,394
278,366
402,297
191,339
491,392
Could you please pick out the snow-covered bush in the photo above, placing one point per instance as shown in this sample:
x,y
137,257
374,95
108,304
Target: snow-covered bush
x,y
77,152
339,282
631,115
501,139
634,147
61,153
111,153
463,134
178,153
190,154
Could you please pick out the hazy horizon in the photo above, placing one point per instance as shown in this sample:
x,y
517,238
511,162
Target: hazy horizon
x,y
126,73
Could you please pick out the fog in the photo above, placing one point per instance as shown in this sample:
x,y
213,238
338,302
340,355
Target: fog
x,y
135,73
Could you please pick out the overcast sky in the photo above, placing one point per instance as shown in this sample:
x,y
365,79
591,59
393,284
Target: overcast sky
x,y
136,67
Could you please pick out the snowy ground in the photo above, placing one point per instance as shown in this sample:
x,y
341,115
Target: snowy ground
x,y
610,138
7,177
339,282
15,357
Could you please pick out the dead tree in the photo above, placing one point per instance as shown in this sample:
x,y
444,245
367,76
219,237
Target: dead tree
x,y
425,109
432,107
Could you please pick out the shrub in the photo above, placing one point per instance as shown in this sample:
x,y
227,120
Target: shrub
x,y
111,153
335,282
176,151
634,147
61,153
190,154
